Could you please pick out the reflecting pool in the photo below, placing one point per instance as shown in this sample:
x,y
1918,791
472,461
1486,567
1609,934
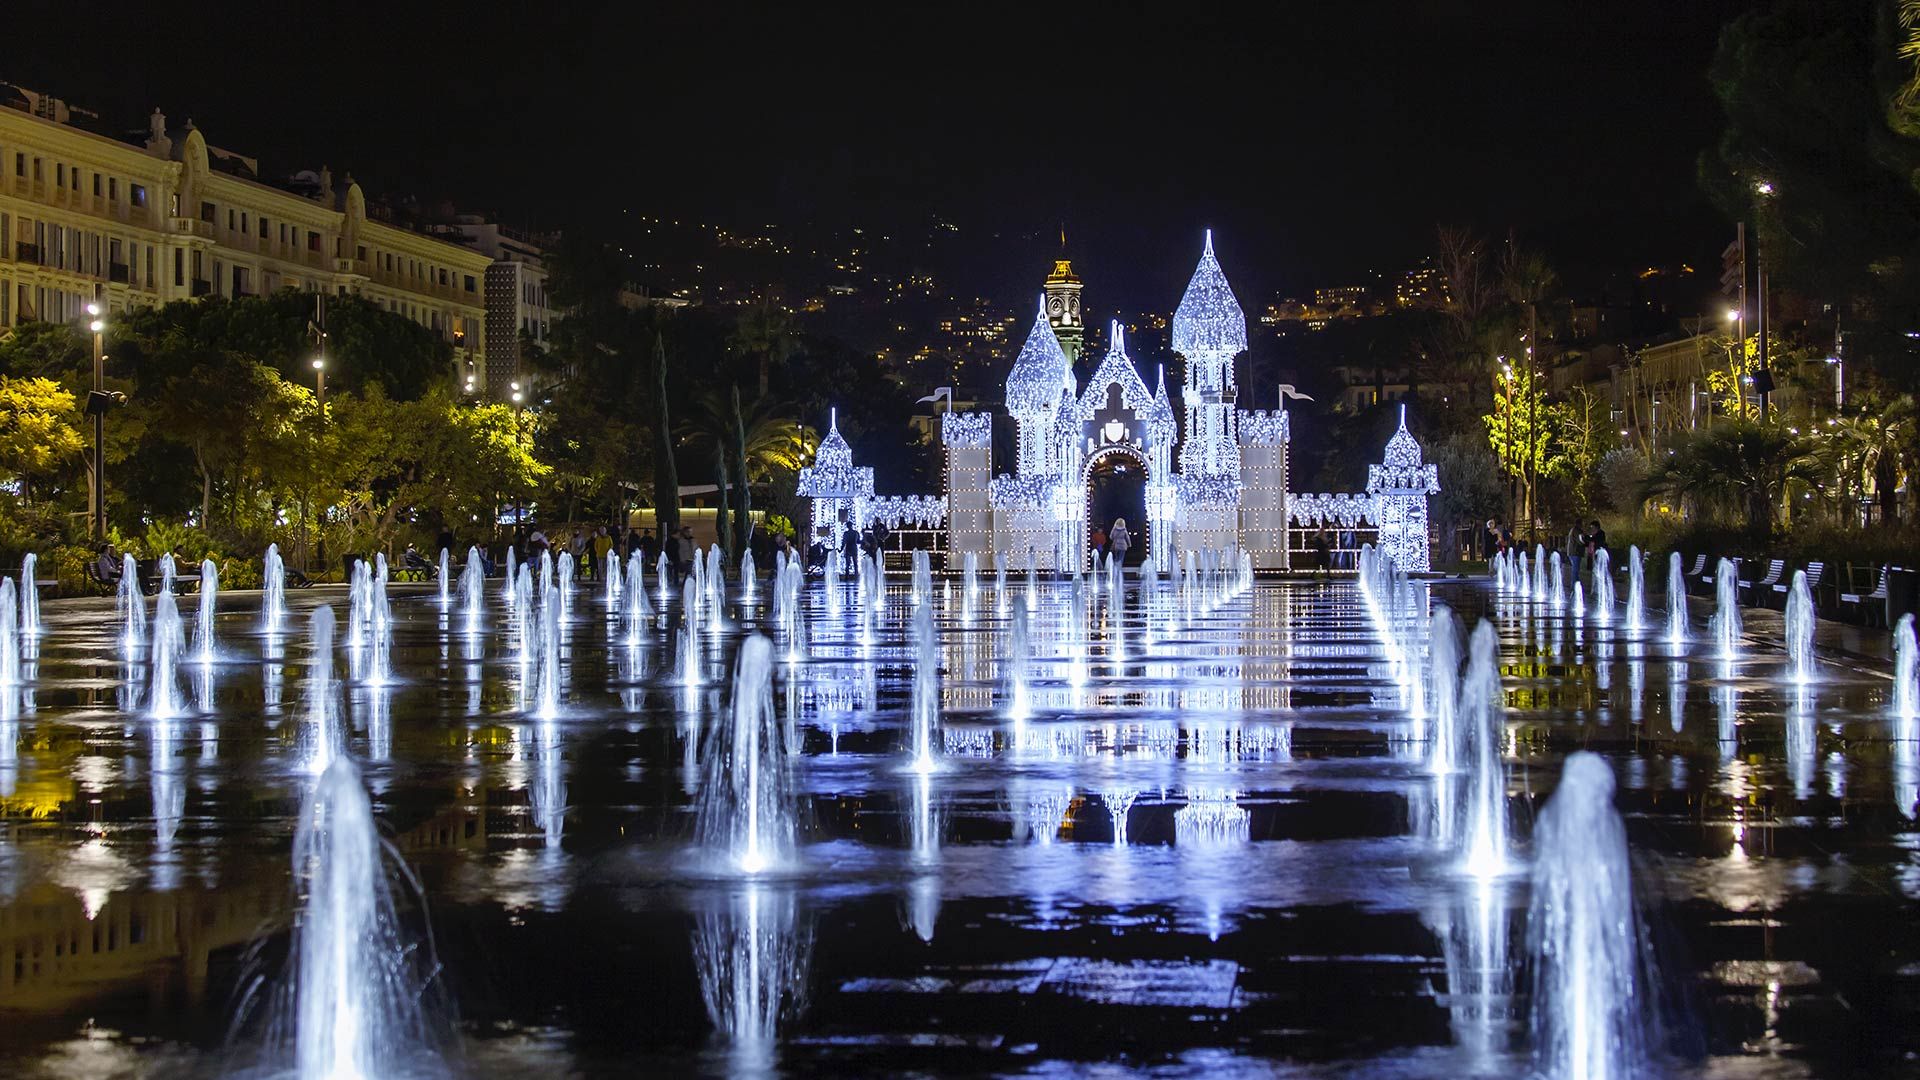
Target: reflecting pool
x,y
1194,825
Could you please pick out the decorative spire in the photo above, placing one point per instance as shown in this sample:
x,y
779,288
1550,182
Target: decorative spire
x,y
1209,324
1116,369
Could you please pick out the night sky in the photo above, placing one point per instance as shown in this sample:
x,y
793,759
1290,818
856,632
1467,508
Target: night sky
x,y
1319,144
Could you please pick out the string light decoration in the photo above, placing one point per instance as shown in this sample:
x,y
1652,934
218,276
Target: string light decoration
x,y
968,429
1259,427
1033,389
1162,425
968,439
1209,326
1341,509
1400,485
1116,369
924,511
836,485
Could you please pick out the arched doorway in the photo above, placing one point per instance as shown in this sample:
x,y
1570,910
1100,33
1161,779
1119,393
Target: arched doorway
x,y
1117,488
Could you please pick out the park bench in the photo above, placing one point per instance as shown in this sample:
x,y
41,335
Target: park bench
x,y
1775,567
1869,602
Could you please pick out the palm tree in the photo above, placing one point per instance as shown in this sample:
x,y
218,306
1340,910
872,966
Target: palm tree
x,y
765,334
749,440
1871,448
1736,470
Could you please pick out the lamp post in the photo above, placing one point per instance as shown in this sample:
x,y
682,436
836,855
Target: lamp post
x,y
97,405
519,512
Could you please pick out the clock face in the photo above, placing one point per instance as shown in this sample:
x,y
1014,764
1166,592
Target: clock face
x,y
1054,307
1073,306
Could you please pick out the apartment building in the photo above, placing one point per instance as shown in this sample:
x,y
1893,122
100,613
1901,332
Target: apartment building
x,y
173,217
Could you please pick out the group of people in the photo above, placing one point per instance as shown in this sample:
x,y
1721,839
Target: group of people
x,y
1114,542
1581,544
851,545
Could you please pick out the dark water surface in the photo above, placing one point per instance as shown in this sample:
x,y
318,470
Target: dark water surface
x,y
1279,902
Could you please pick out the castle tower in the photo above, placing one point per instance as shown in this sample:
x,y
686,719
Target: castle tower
x,y
1209,332
1039,373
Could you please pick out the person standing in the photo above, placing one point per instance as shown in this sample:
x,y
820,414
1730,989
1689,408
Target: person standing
x,y
1322,548
849,549
1596,540
649,546
602,543
1574,550
673,555
1118,541
1098,542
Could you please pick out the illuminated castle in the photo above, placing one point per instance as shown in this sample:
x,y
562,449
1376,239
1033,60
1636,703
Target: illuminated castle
x,y
1214,475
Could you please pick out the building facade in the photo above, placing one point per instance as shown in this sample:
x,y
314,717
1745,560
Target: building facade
x,y
175,218
519,314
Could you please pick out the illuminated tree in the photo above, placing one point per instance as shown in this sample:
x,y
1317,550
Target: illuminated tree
x,y
1519,430
1583,433
36,436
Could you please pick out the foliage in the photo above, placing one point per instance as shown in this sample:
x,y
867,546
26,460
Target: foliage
x,y
1520,427
1623,478
1820,109
1471,487
188,544
1736,470
36,432
1582,427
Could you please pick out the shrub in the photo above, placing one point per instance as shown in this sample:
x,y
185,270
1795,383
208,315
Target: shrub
x,y
1623,478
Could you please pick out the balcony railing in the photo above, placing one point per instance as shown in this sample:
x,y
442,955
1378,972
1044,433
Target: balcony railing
x,y
193,227
27,253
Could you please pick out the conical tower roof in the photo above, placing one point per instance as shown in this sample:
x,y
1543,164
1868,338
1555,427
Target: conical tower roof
x,y
1209,321
1402,450
834,453
1039,372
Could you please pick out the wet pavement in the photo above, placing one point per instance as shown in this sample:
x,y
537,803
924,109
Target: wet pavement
x,y
1212,849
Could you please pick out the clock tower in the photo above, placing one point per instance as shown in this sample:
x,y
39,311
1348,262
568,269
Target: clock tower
x,y
1063,309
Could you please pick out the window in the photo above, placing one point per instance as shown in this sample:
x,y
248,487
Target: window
x,y
469,282
246,226
19,164
96,185
59,175
229,219
207,212
74,175
149,266
179,268
313,240
360,252
113,189
263,228
37,173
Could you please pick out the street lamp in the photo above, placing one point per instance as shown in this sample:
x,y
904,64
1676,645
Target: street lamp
x,y
320,378
97,405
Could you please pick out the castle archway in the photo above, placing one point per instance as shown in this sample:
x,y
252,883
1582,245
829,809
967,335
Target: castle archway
x,y
1116,485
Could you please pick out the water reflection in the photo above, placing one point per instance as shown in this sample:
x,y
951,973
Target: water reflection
x,y
751,954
